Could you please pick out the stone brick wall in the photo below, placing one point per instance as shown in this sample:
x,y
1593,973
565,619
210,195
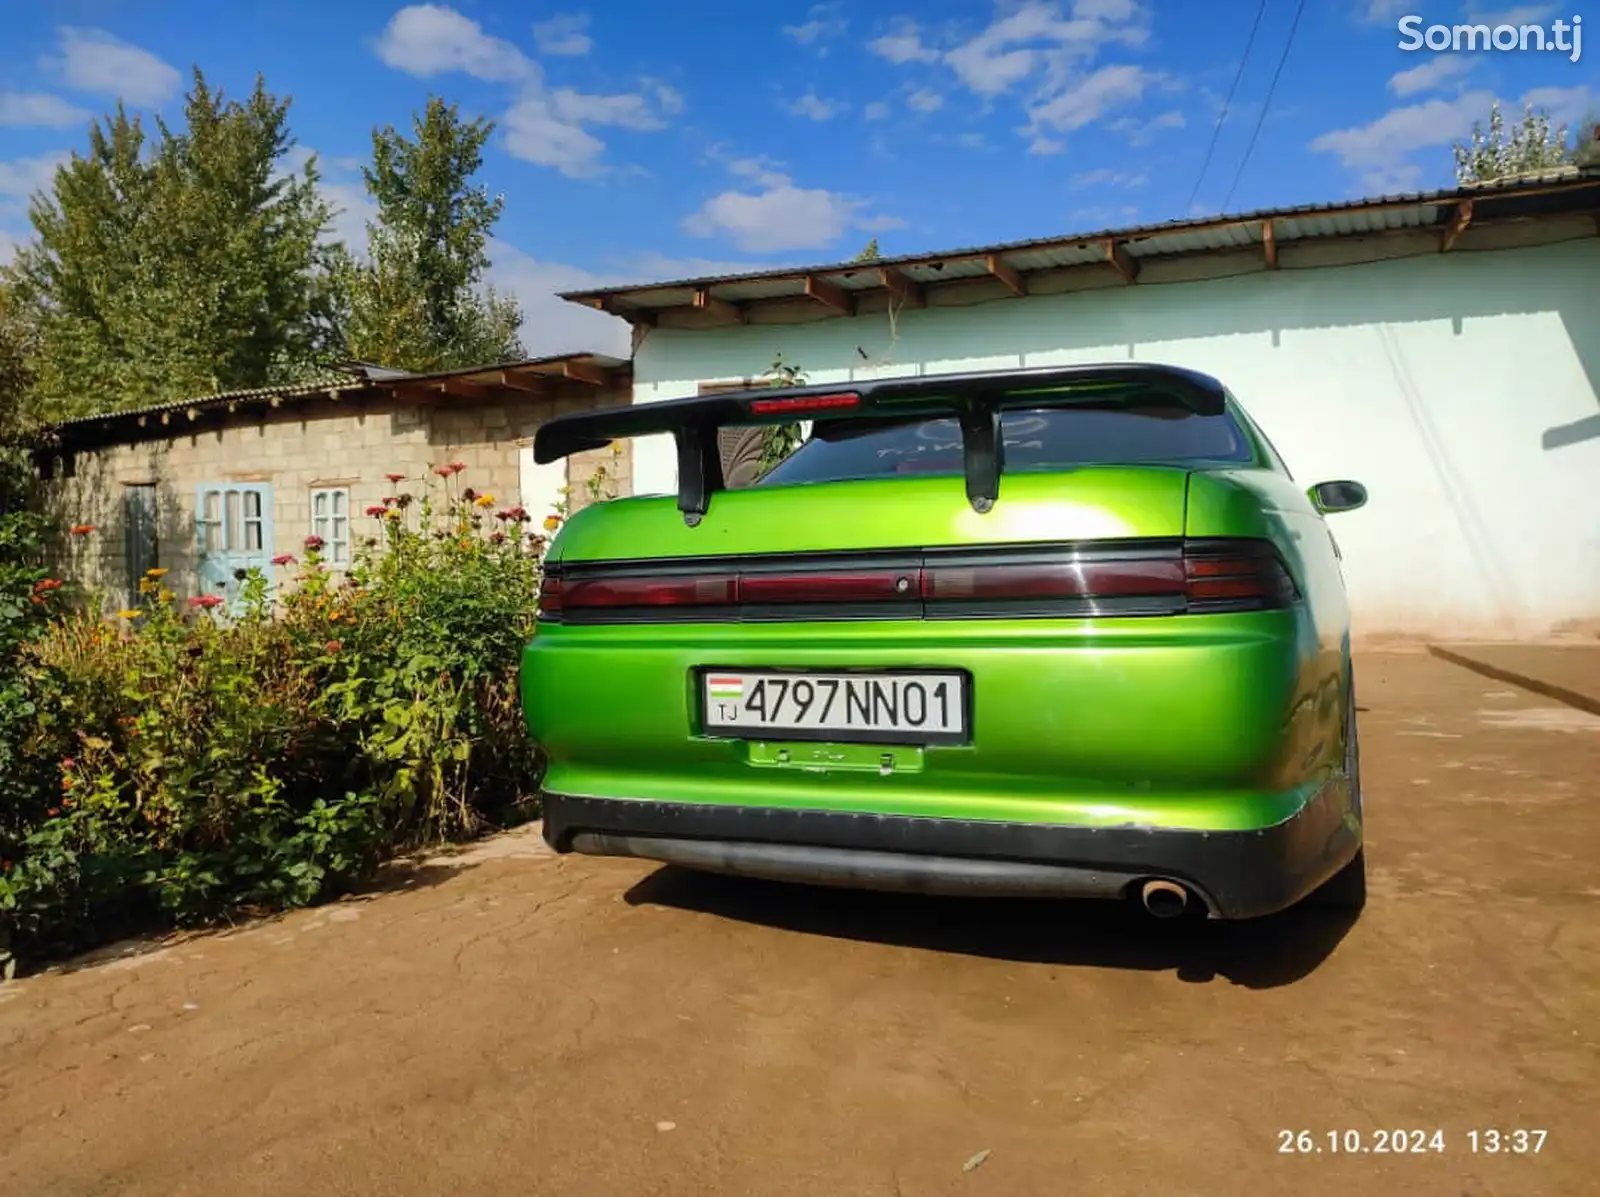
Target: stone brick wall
x,y
326,444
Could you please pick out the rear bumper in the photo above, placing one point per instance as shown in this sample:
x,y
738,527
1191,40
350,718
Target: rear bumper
x,y
1239,874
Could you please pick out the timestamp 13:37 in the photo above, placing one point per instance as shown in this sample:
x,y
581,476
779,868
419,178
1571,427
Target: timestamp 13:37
x,y
1487,1141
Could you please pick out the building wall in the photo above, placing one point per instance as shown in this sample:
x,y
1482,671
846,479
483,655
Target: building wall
x,y
1462,388
324,445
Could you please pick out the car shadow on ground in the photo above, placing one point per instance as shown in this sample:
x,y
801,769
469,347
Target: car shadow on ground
x,y
1259,954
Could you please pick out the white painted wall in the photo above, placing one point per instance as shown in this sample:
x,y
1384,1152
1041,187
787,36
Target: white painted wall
x,y
1462,388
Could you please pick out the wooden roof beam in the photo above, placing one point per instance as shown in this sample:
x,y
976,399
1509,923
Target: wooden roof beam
x,y
611,307
723,308
1459,220
588,373
462,389
831,296
1007,274
904,290
1121,261
528,381
1269,243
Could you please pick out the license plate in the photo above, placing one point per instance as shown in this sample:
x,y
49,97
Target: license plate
x,y
871,707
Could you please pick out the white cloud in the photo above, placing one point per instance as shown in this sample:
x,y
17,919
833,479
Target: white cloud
x,y
431,39
534,133
1376,12
903,44
545,127
1046,146
1431,75
92,60
876,111
21,177
776,215
1091,97
549,323
39,110
1050,45
1566,105
1143,132
1378,151
626,111
925,99
813,107
1035,36
1105,177
824,23
563,34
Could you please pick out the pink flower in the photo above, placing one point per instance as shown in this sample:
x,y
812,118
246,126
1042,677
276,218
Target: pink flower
x,y
314,543
205,600
457,466
395,477
376,510
283,559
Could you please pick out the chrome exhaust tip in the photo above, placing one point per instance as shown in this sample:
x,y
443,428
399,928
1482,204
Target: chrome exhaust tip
x,y
1164,899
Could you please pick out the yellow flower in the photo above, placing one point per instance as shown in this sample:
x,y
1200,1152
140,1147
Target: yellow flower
x,y
552,522
146,586
165,595
484,500
155,573
129,614
392,514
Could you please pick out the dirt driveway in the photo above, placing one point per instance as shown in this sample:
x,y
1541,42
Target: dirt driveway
x,y
519,1024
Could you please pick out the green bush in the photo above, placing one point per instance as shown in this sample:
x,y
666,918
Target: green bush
x,y
196,761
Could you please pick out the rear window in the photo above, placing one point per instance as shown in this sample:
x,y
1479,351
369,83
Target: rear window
x,y
1035,440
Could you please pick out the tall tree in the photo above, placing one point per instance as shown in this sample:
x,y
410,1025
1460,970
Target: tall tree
x,y
1535,142
869,252
418,301
187,265
15,344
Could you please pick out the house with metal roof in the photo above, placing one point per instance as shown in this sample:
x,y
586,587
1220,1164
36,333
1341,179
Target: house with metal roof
x,y
1443,348
211,487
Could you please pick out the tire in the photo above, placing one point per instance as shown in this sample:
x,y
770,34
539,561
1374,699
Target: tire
x,y
1347,889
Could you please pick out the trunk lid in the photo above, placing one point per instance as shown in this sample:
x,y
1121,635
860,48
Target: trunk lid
x,y
1087,504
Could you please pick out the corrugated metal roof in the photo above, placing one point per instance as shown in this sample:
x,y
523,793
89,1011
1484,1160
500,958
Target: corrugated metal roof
x,y
102,427
1376,214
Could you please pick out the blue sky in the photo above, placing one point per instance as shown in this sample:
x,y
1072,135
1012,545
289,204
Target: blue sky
x,y
640,141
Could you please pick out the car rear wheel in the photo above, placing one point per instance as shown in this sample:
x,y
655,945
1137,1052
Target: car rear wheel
x,y
1347,889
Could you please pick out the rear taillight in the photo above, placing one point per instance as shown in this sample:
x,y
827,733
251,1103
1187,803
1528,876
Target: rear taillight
x,y
1195,576
1256,577
1082,579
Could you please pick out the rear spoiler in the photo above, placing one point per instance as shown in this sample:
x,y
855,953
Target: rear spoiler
x,y
976,400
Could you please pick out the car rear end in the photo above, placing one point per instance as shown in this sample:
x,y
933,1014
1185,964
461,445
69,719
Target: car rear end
x,y
1072,674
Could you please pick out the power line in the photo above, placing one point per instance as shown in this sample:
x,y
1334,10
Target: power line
x,y
1226,104
1265,104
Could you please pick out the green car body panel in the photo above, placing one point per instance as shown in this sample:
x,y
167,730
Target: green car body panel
x,y
1196,724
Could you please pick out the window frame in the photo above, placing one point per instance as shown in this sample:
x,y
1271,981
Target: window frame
x,y
326,523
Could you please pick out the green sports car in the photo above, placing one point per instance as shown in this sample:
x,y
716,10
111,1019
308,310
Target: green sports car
x,y
1070,631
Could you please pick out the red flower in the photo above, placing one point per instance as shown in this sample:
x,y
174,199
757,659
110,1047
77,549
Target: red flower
x,y
205,600
395,477
53,811
68,763
314,543
376,511
457,466
5,866
333,646
469,494
518,515
497,537
82,529
46,584
443,471
283,559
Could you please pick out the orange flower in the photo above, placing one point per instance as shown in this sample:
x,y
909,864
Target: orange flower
x,y
552,522
82,529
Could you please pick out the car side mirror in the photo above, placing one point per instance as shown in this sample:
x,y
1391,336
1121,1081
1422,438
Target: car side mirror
x,y
1332,497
